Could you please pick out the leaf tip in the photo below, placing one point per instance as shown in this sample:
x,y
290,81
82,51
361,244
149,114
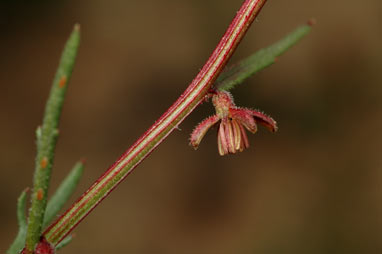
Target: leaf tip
x,y
83,161
77,27
312,22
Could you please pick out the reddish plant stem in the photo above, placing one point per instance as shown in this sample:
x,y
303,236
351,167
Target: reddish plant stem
x,y
183,106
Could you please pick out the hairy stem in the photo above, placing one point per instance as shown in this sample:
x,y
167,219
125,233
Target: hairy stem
x,y
191,97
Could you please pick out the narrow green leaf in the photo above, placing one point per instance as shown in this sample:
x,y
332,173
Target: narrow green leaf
x,y
238,73
47,137
63,192
19,241
64,242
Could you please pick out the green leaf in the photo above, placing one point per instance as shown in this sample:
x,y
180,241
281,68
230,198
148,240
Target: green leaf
x,y
239,72
47,138
63,193
19,242
64,242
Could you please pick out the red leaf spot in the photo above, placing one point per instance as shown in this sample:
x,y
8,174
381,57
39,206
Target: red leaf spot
x,y
44,162
62,82
40,194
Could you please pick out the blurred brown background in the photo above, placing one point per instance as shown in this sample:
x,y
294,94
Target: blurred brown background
x,y
313,187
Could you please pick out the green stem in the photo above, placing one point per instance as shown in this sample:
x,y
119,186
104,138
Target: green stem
x,y
47,138
192,97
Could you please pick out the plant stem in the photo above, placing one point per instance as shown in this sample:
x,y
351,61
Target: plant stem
x,y
46,140
183,106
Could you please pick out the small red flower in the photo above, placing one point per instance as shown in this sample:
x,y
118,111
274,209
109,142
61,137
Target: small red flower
x,y
231,134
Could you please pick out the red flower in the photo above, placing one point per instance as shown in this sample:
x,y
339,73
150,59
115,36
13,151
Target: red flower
x,y
231,134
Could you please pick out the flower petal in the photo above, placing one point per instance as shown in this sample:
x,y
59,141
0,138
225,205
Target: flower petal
x,y
201,130
229,136
244,116
222,141
237,134
220,147
264,120
244,138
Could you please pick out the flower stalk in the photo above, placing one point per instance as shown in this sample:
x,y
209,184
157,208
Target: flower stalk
x,y
183,106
